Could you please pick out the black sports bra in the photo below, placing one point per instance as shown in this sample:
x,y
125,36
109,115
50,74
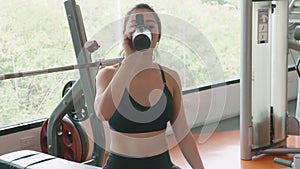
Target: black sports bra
x,y
132,117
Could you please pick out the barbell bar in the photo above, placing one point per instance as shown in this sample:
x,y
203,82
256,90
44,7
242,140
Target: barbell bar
x,y
99,63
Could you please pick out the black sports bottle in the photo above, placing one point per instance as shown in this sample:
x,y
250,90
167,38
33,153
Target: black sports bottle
x,y
142,37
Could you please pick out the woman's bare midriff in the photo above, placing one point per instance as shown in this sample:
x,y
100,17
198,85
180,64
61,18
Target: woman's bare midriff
x,y
138,145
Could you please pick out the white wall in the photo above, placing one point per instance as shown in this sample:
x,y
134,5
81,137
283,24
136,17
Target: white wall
x,y
210,109
29,139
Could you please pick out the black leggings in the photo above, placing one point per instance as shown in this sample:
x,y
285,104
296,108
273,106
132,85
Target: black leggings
x,y
161,161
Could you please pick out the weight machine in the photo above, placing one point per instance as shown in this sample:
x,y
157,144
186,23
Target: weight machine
x,y
78,98
84,87
265,123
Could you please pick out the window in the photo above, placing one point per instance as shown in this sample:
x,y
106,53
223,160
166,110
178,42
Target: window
x,y
215,25
35,35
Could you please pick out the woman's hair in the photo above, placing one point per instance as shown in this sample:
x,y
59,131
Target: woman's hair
x,y
143,6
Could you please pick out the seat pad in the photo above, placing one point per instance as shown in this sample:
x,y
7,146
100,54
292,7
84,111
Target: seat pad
x,y
28,159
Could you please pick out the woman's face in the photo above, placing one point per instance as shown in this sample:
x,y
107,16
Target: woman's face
x,y
149,21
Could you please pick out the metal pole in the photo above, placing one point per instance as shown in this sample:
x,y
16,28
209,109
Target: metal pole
x,y
279,68
245,85
291,5
87,79
294,45
99,63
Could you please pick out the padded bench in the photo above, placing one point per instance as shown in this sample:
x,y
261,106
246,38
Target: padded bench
x,y
28,159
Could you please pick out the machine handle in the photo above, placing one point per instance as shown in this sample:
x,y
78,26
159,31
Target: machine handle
x,y
284,162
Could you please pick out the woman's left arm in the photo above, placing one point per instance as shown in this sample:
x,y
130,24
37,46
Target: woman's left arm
x,y
181,130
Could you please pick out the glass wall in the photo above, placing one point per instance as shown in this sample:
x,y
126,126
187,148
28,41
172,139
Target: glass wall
x,y
200,37
34,35
200,40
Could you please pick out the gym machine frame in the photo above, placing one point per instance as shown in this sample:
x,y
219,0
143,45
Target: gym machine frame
x,y
85,86
263,98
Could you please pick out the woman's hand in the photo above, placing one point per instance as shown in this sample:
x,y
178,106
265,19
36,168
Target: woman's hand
x,y
136,61
127,41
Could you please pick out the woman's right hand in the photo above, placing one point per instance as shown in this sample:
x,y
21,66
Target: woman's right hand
x,y
132,56
127,41
136,60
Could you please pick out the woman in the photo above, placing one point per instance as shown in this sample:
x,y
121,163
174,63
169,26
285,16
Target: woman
x,y
138,98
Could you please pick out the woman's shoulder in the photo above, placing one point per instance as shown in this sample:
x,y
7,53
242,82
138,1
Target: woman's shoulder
x,y
107,71
172,75
170,72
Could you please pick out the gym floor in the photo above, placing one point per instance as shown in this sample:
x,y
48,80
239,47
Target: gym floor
x,y
222,149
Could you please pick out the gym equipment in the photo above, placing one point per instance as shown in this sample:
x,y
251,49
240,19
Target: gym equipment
x,y
82,90
84,86
77,112
73,140
263,99
69,138
100,63
295,164
36,160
